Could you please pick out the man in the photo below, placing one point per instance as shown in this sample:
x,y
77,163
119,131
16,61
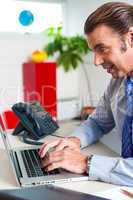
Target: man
x,y
109,32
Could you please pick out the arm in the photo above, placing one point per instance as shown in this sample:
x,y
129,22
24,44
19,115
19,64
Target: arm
x,y
99,123
117,170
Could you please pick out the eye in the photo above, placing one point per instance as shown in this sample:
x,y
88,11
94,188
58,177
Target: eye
x,y
102,50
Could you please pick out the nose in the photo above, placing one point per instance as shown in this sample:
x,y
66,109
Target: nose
x,y
98,60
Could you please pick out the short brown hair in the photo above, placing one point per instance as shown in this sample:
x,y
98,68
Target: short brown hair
x,y
117,15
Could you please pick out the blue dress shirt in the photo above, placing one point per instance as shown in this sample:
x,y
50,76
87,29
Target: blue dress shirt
x,y
109,113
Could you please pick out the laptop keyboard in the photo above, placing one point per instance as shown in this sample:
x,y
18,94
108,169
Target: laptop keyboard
x,y
32,162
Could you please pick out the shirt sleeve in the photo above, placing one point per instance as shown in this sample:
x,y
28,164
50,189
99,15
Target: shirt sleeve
x,y
99,123
117,171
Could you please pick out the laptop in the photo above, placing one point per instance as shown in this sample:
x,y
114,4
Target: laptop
x,y
26,165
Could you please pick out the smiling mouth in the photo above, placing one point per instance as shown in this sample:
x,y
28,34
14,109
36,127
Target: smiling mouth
x,y
110,70
109,67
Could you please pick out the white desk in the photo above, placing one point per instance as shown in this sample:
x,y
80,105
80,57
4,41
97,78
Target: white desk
x,y
7,179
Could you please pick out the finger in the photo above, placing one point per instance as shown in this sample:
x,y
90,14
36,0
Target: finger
x,y
43,146
40,150
54,165
75,149
63,143
46,147
51,158
58,144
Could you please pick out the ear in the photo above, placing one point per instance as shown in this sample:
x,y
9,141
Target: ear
x,y
130,36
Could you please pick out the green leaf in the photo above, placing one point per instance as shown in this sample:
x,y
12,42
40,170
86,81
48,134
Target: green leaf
x,y
70,49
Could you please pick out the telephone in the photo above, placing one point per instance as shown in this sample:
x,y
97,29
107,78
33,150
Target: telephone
x,y
35,123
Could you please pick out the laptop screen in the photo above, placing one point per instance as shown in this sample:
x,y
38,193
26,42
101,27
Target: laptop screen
x,y
5,140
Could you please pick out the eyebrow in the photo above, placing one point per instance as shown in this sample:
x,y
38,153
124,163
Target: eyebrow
x,y
98,46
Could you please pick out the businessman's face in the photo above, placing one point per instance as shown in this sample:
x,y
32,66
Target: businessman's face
x,y
113,52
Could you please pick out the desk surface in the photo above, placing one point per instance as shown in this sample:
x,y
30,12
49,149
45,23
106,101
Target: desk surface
x,y
7,179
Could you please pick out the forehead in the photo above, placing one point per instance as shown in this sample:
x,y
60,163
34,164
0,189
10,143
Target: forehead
x,y
102,35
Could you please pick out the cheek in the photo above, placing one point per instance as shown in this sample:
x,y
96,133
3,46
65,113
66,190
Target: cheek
x,y
129,63
125,60
122,67
120,61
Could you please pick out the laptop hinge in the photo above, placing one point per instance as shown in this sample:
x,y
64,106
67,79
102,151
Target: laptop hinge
x,y
16,163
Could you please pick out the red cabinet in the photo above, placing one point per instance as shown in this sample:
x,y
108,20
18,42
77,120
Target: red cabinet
x,y
39,83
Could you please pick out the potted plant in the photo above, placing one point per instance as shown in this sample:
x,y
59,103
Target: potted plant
x,y
69,52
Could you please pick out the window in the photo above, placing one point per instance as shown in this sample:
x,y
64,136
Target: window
x,y
45,15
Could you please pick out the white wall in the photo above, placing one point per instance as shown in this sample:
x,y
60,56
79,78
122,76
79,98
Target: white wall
x,y
14,50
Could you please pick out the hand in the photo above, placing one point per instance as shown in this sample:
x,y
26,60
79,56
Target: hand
x,y
68,159
60,144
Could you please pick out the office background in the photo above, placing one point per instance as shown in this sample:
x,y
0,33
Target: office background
x,y
16,47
